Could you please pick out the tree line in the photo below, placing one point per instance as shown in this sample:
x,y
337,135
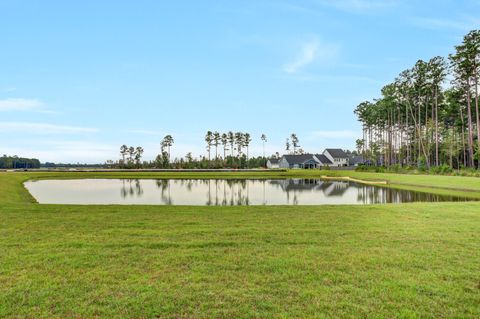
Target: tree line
x,y
429,115
224,150
15,162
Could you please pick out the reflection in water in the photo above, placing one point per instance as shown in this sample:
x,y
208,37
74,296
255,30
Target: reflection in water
x,y
221,192
131,187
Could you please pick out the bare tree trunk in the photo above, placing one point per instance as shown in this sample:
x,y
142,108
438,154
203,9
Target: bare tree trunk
x,y
421,147
470,129
407,127
478,116
453,140
364,141
427,138
436,127
463,139
420,142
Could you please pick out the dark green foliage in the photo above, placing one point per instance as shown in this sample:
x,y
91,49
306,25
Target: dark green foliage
x,y
443,169
15,162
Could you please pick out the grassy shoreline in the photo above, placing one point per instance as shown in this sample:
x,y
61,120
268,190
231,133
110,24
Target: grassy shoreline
x,y
406,260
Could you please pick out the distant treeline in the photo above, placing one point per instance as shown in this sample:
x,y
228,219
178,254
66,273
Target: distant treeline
x,y
13,162
189,162
230,144
78,165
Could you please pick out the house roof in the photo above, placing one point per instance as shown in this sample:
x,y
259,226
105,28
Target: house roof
x,y
336,152
273,160
357,159
323,159
299,159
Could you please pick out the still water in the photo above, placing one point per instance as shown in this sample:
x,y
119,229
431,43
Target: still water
x,y
220,192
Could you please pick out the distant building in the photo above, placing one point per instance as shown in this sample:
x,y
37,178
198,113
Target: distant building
x,y
305,161
331,157
273,163
337,156
355,160
323,160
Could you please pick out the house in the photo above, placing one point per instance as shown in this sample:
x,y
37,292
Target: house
x,y
273,163
337,156
330,157
355,160
305,161
323,160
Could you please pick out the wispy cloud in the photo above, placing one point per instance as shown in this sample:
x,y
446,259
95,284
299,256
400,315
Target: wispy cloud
x,y
311,51
330,78
43,128
341,134
360,6
19,104
463,24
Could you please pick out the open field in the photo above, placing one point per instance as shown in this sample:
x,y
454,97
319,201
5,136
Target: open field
x,y
409,260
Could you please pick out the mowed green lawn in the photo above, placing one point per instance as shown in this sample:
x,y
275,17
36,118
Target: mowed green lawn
x,y
409,260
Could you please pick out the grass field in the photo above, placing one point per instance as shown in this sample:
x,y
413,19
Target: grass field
x,y
382,261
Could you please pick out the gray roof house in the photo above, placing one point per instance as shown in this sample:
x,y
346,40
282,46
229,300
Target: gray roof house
x,y
337,156
330,157
323,160
299,161
356,160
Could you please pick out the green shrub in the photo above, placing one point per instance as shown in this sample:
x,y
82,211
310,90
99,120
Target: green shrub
x,y
422,164
443,169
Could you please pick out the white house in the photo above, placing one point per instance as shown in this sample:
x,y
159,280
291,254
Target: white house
x,y
337,156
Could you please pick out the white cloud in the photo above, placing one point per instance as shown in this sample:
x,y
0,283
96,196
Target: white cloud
x,y
18,104
43,128
312,51
342,134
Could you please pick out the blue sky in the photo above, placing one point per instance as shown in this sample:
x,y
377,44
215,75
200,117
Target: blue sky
x,y
80,78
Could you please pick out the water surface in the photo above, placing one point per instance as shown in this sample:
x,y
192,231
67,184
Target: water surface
x,y
220,192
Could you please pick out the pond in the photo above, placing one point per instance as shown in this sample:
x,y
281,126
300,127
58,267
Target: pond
x,y
220,192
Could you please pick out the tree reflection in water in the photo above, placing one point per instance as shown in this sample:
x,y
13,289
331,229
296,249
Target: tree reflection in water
x,y
235,192
131,187
164,187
